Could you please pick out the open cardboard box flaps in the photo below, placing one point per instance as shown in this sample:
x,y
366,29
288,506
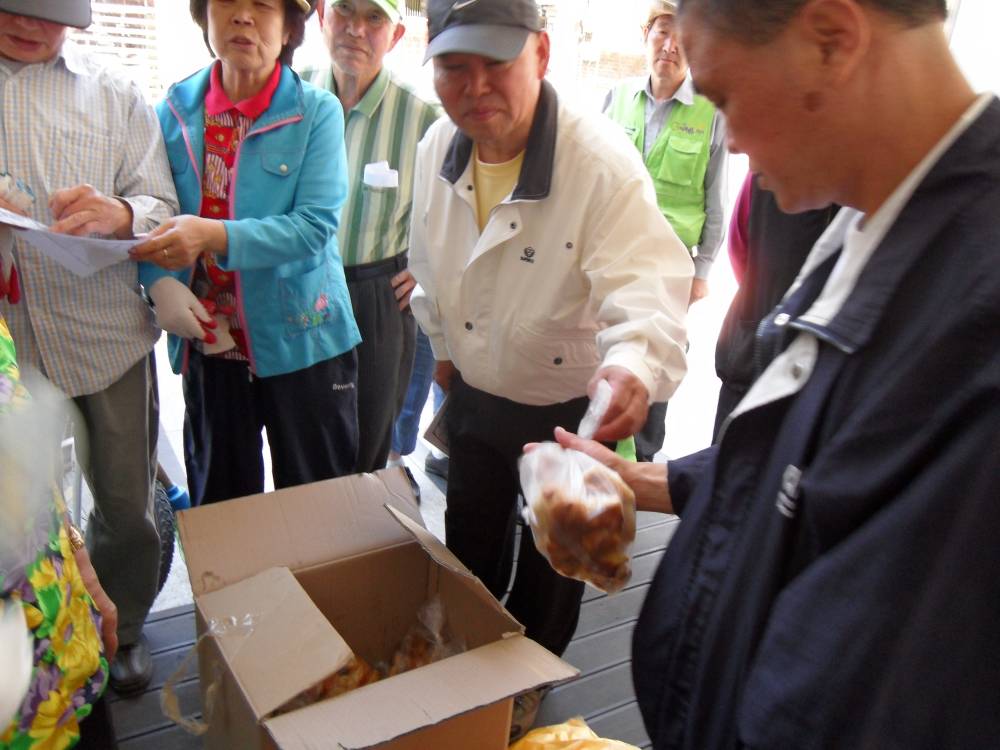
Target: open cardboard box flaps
x,y
310,575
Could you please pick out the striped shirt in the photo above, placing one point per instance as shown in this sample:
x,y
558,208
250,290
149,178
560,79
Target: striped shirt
x,y
62,123
386,125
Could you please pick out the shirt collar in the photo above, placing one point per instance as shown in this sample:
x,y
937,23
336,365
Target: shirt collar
x,y
69,55
372,98
217,101
850,305
73,58
535,180
684,93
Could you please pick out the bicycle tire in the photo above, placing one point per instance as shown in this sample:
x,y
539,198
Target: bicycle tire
x,y
163,514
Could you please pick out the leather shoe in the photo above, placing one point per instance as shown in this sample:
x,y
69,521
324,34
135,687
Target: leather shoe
x,y
132,669
525,712
413,484
435,465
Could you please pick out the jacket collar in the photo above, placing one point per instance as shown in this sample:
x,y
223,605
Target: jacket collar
x,y
967,169
369,103
535,180
684,93
188,97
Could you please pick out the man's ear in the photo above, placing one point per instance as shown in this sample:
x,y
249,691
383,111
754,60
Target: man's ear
x,y
542,49
839,34
397,34
320,10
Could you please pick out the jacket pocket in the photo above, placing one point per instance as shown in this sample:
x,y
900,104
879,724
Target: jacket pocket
x,y
307,300
282,163
556,350
273,186
680,160
378,209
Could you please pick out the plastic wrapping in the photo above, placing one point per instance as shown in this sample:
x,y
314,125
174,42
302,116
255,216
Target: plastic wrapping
x,y
596,410
573,735
427,641
16,192
169,702
356,673
581,513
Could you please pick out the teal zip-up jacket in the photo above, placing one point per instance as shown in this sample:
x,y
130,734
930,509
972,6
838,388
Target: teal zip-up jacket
x,y
289,183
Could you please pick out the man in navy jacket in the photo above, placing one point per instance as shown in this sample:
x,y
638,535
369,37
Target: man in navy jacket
x,y
834,582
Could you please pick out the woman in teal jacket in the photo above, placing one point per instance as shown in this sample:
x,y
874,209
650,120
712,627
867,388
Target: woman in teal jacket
x,y
248,281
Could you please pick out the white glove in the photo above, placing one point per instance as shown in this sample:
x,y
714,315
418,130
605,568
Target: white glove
x,y
178,311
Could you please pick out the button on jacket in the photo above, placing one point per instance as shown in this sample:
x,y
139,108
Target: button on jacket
x,y
576,269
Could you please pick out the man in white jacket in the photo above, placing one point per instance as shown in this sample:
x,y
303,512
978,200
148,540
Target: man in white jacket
x,y
544,266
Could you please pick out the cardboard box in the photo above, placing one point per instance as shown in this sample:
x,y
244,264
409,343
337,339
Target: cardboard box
x,y
288,579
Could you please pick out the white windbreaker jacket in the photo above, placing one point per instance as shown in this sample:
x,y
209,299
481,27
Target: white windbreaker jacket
x,y
576,269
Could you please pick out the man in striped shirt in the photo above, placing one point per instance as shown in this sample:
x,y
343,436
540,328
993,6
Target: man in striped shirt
x,y
89,147
384,122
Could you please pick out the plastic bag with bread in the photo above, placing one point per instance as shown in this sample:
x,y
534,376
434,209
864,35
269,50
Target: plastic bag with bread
x,y
581,513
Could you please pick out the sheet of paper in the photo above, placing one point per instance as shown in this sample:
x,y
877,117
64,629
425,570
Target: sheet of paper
x,y
437,431
16,220
80,255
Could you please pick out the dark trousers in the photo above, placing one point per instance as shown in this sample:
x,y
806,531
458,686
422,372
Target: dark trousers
x,y
97,730
486,437
310,416
649,440
385,356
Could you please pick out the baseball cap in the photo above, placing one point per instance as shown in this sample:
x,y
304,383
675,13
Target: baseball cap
x,y
392,8
496,29
659,8
66,12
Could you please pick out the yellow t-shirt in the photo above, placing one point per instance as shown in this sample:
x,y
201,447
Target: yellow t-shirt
x,y
494,182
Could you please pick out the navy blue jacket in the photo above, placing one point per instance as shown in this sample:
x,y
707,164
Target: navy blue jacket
x,y
835,581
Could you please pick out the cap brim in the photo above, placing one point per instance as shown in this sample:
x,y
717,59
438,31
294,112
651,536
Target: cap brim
x,y
76,14
393,13
494,41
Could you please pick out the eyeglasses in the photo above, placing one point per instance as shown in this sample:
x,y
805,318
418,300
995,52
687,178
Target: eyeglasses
x,y
375,19
662,27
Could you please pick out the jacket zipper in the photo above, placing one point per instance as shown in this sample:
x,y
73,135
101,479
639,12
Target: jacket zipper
x,y
186,354
232,212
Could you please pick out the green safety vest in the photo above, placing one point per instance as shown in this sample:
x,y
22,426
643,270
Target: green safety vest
x,y
678,160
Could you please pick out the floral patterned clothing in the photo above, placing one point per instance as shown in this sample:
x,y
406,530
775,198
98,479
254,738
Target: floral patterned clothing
x,y
70,671
226,125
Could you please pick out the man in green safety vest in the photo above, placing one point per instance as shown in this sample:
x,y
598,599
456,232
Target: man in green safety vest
x,y
682,137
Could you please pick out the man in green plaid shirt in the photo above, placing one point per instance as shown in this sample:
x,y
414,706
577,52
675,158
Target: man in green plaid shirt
x,y
384,121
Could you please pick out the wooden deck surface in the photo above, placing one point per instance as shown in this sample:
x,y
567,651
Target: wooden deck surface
x,y
601,649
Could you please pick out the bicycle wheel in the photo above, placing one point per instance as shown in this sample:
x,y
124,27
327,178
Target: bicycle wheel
x,y
164,517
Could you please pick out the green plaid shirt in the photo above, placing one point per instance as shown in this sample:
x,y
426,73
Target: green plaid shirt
x,y
386,125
